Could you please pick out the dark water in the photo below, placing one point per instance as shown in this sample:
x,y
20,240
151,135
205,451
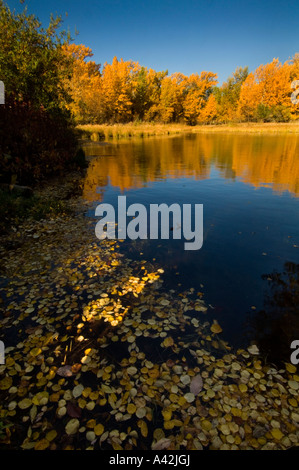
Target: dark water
x,y
248,266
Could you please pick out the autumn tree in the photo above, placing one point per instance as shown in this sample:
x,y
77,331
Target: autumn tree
x,y
294,77
265,94
171,98
209,113
36,137
117,86
147,93
84,84
197,89
227,96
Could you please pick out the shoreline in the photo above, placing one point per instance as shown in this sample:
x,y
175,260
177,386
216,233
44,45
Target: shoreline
x,y
111,360
100,132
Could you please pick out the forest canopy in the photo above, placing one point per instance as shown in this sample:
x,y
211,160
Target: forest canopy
x,y
125,91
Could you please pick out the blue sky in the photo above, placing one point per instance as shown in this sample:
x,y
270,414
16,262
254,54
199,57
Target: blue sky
x,y
181,36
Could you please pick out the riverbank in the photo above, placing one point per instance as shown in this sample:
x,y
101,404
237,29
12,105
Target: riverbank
x,y
99,355
107,132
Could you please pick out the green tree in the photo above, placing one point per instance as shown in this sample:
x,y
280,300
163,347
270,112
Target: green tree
x,y
32,60
36,135
227,96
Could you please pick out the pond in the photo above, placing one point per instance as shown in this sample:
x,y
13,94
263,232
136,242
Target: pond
x,y
247,268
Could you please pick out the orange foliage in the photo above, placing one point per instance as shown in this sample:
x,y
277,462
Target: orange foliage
x,y
125,91
255,160
269,86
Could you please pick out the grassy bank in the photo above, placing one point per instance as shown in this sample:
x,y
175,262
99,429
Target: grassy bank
x,y
97,132
115,131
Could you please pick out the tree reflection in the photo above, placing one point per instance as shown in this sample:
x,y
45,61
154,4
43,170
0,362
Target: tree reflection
x,y
277,325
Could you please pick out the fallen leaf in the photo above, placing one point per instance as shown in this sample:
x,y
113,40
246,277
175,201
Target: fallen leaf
x,y
65,371
73,410
196,384
163,443
216,328
72,426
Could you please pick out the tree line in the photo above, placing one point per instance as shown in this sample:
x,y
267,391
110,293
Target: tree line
x,y
125,91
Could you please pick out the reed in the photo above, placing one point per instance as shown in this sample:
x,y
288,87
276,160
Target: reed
x,y
98,132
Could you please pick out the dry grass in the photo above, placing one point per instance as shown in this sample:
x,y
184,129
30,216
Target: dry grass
x,y
116,131
252,128
97,132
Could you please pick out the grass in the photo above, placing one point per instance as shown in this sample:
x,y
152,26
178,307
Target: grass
x,y
106,132
116,131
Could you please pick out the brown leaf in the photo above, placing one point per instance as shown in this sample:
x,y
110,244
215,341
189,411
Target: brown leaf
x,y
163,443
65,371
73,410
196,384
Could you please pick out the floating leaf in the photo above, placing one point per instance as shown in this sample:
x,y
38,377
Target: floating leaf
x,y
6,383
216,328
189,397
25,403
51,435
65,371
140,412
253,349
291,368
196,384
99,429
42,444
185,379
162,444
168,342
77,391
167,414
131,408
72,426
35,352
143,428
277,434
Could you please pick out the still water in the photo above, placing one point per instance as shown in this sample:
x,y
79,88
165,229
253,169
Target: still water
x,y
248,266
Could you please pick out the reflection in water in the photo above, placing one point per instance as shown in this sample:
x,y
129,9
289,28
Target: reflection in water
x,y
277,325
255,160
249,229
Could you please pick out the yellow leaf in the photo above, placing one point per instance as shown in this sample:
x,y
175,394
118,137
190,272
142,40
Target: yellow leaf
x,y
153,373
168,424
167,414
99,429
243,388
72,426
143,429
91,423
131,408
216,328
168,342
25,403
5,383
50,436
35,352
42,444
277,434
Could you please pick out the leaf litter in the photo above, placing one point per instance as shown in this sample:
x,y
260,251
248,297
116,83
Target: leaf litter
x,y
100,356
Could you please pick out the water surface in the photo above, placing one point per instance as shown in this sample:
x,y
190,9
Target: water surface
x,y
247,268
